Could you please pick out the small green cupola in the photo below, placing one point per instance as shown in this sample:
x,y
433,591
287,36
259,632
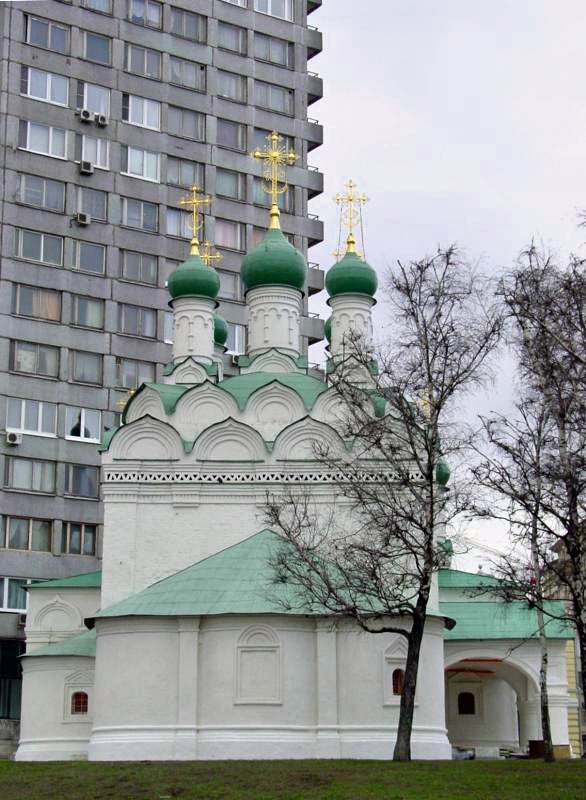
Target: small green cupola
x,y
351,275
328,329
220,330
194,278
274,262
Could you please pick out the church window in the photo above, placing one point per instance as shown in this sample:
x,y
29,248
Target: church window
x,y
466,704
79,703
398,681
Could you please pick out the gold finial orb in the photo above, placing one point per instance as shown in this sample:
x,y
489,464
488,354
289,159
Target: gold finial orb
x,y
275,158
351,202
196,201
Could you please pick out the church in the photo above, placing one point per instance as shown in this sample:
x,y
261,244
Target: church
x,y
177,649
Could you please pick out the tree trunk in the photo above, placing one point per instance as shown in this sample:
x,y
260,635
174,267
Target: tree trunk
x,y
548,754
402,750
581,631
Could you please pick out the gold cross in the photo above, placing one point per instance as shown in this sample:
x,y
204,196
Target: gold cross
x,y
351,202
276,157
123,400
207,257
196,201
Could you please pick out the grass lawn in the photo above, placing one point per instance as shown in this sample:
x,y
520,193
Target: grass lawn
x,y
295,780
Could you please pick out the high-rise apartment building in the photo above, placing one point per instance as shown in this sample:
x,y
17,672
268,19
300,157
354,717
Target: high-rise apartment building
x,y
109,111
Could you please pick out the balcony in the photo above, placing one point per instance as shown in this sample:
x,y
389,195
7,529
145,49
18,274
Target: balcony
x,y
313,5
315,88
315,279
312,327
314,41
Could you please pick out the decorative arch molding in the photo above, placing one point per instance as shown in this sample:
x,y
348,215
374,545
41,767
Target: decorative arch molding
x,y
530,673
82,680
147,403
297,442
203,406
58,616
258,667
272,408
189,372
329,408
146,439
229,441
272,361
84,676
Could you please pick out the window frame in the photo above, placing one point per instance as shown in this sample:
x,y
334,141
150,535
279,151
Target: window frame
x,y
88,5
145,24
103,194
82,414
4,594
38,345
126,155
75,298
242,33
126,224
78,243
196,179
241,235
65,547
16,300
123,262
73,367
289,46
239,339
289,93
127,108
243,82
69,480
82,141
25,85
288,5
51,129
243,130
136,362
5,540
198,116
128,46
19,246
23,416
201,24
199,70
107,63
79,705
82,93
50,25
142,313
184,219
240,177
45,181
8,472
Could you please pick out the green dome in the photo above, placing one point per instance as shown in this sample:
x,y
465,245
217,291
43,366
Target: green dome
x,y
351,275
442,473
194,277
274,262
328,329
220,330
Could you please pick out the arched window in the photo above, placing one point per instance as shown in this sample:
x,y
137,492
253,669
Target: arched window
x,y
466,703
398,681
79,703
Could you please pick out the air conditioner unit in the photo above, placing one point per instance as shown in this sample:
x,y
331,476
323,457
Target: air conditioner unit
x,y
101,120
13,438
81,218
85,115
86,168
21,621
235,360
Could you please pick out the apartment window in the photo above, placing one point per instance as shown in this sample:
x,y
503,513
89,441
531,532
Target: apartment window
x,y
92,149
81,481
184,173
86,367
190,26
231,235
30,475
232,37
168,327
41,193
44,139
13,596
79,539
104,6
236,341
187,74
273,50
93,97
90,257
23,533
34,359
32,301
275,98
97,48
137,321
230,184
241,3
179,223
45,86
143,61
232,86
31,416
140,163
140,214
261,198
93,202
41,247
283,9
145,12
132,374
87,312
49,35
189,124
139,267
79,703
83,423
260,140
229,285
231,134
141,111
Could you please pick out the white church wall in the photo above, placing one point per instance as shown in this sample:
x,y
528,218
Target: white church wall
x,y
494,721
57,614
49,731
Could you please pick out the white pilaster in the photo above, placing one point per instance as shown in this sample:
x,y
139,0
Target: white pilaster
x,y
193,328
328,738
187,677
350,313
274,319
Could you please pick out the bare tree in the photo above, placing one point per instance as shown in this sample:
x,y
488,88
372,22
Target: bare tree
x,y
512,470
375,564
547,305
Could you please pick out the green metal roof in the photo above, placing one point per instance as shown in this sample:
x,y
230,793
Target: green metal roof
x,y
242,387
82,645
456,579
499,620
237,580
88,580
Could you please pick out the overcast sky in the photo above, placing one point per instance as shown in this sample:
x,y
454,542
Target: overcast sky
x,y
463,121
